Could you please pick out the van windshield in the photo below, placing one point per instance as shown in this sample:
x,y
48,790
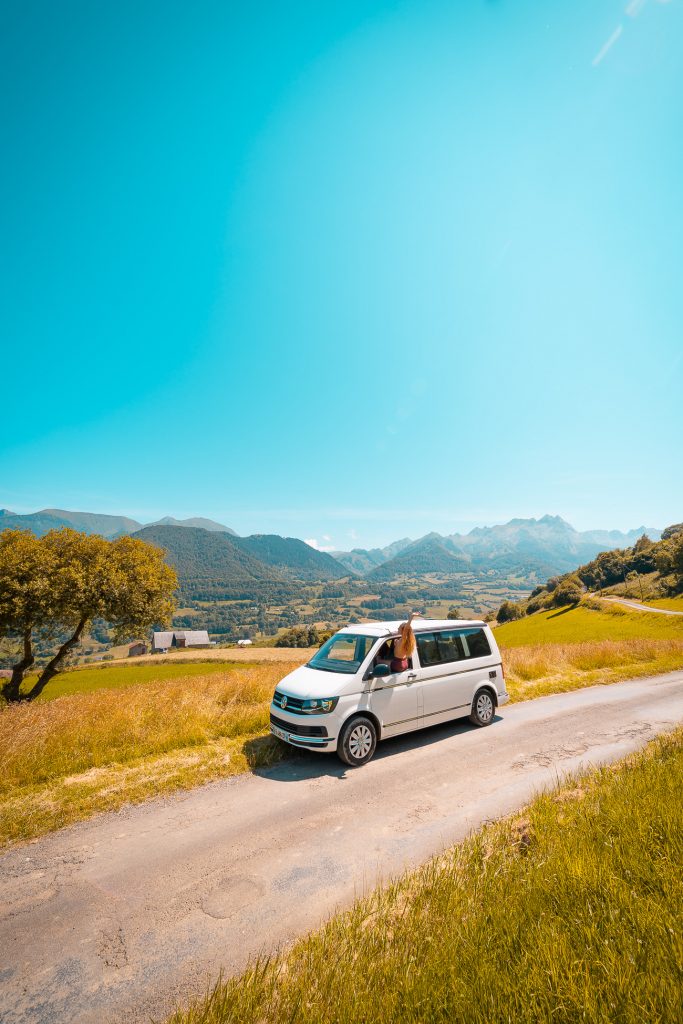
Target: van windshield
x,y
344,652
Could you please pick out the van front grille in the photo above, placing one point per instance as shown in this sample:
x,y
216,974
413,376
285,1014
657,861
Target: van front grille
x,y
293,704
298,730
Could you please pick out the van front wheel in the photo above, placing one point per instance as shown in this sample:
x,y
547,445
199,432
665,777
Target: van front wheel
x,y
357,741
483,708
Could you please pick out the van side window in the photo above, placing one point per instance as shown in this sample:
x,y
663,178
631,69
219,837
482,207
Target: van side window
x,y
450,645
439,648
427,649
476,643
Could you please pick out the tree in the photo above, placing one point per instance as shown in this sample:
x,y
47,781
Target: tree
x,y
568,591
677,557
26,597
74,579
453,613
509,611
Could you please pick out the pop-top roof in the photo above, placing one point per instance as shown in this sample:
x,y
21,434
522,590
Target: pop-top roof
x,y
387,628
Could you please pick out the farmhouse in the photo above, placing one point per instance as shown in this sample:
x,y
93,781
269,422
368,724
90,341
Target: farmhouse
x,y
163,641
136,649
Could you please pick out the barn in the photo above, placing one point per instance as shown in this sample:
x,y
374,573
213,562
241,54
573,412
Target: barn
x,y
180,638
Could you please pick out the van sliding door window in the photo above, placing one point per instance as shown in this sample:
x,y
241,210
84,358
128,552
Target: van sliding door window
x,y
475,643
439,648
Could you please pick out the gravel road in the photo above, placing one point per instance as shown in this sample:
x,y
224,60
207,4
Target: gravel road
x,y
117,918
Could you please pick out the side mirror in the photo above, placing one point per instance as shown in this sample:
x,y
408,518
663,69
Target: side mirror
x,y
379,671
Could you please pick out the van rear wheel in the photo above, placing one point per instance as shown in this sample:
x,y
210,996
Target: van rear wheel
x,y
357,741
483,708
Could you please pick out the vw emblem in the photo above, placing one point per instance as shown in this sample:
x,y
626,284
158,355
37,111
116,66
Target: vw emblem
x,y
283,702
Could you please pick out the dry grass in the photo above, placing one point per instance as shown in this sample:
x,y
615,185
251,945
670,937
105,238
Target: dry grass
x,y
247,654
68,758
65,759
533,671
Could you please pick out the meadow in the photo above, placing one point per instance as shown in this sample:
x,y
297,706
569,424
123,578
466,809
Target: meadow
x,y
672,604
568,911
119,677
590,621
103,737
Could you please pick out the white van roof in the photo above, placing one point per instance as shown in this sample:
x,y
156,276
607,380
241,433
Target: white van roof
x,y
387,628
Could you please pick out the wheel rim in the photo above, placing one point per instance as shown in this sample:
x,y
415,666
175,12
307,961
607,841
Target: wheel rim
x,y
484,707
360,741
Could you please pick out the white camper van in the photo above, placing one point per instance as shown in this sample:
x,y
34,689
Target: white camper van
x,y
347,697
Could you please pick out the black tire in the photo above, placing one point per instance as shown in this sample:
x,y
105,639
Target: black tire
x,y
357,741
483,707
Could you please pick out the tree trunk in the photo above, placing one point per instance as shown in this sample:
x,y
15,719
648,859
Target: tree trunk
x,y
53,666
11,690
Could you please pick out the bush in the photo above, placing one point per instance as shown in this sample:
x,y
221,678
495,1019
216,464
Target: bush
x,y
299,636
568,591
509,611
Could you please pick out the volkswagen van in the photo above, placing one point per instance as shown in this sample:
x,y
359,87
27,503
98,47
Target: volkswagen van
x,y
347,698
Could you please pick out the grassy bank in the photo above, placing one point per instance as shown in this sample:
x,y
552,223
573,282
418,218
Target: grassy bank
x,y
540,669
672,604
569,912
588,624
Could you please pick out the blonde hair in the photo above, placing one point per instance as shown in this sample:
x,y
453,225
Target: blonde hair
x,y
407,639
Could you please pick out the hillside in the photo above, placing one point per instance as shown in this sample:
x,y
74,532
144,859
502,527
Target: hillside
x,y
203,558
293,557
431,555
649,569
362,561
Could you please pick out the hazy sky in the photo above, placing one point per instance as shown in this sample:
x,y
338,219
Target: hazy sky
x,y
346,271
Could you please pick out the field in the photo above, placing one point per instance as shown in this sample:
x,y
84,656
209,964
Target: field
x,y
118,677
586,623
105,736
66,759
568,912
672,604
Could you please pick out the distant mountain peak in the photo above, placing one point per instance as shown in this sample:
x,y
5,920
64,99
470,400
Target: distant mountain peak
x,y
196,522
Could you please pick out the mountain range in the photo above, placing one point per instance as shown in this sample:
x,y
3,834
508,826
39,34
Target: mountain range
x,y
547,546
204,555
94,522
203,550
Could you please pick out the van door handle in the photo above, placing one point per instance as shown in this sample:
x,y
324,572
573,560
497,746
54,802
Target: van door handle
x,y
412,677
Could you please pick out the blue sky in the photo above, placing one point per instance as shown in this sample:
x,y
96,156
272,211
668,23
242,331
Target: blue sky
x,y
343,271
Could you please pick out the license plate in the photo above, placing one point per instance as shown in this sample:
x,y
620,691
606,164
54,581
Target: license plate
x,y
280,733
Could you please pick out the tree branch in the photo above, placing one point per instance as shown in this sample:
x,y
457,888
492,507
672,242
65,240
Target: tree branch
x,y
11,690
54,666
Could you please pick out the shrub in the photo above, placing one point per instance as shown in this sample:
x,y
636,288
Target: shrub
x,y
509,611
299,636
568,591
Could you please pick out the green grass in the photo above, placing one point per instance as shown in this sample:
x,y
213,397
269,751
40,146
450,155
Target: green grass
x,y
119,677
584,624
568,912
673,604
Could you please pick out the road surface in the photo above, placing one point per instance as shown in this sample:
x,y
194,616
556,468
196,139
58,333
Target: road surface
x,y
639,607
118,918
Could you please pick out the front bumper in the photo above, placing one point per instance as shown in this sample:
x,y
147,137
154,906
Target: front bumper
x,y
300,734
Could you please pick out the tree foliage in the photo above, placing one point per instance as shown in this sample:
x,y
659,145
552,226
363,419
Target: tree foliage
x,y
509,611
57,584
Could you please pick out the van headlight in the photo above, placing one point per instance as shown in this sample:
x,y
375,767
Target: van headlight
x,y
319,705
